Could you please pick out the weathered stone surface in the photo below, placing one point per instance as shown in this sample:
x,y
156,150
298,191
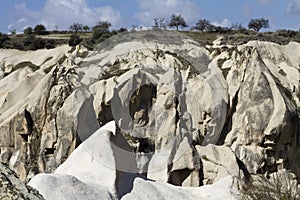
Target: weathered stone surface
x,y
12,188
264,121
278,185
44,111
12,60
167,96
67,187
143,189
104,171
159,99
217,162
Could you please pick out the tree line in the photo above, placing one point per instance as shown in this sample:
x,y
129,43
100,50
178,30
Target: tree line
x,y
177,21
101,31
34,38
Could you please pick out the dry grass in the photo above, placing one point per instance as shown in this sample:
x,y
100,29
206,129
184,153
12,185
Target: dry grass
x,y
66,36
202,38
280,186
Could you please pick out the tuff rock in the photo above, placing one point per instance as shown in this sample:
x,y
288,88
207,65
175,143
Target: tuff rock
x,y
11,186
190,114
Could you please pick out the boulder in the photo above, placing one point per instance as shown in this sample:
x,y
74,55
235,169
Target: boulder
x,y
67,187
143,189
217,162
103,164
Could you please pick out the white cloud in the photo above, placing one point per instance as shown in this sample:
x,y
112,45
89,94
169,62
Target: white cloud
x,y
149,9
293,7
224,23
63,13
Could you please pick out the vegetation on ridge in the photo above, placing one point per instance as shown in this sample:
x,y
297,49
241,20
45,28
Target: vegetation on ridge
x,y
203,32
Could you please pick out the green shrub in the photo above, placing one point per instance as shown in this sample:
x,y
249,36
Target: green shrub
x,y
38,43
28,31
50,44
31,42
88,43
100,32
40,29
74,40
28,40
3,39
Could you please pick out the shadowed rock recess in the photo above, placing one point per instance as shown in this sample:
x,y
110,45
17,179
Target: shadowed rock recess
x,y
172,113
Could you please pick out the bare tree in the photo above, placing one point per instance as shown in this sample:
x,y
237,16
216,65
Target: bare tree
x,y
56,27
177,21
76,27
237,26
159,22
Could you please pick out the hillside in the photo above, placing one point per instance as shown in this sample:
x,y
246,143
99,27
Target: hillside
x,y
152,114
56,38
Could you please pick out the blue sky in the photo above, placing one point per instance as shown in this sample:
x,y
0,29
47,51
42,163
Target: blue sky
x,y
18,14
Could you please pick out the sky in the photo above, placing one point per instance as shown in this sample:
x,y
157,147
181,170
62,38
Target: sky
x,y
19,14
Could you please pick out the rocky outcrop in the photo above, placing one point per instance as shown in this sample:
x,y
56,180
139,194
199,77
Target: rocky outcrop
x,y
12,188
160,102
264,90
190,114
142,189
244,97
90,168
43,112
109,173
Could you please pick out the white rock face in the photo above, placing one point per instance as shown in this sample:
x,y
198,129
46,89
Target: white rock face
x,y
44,111
218,162
104,161
265,100
184,109
154,190
11,60
159,100
66,187
95,173
98,165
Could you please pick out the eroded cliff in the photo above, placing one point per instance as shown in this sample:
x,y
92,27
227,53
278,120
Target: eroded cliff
x,y
191,114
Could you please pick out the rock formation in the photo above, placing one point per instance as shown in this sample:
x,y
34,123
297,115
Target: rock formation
x,y
108,173
43,113
11,186
191,115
